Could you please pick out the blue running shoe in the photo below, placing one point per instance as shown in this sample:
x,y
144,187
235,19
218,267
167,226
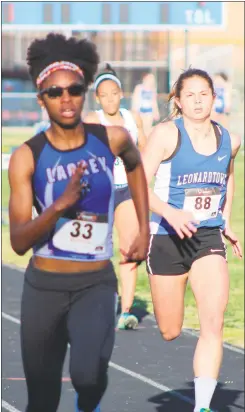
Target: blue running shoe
x,y
97,409
127,321
206,410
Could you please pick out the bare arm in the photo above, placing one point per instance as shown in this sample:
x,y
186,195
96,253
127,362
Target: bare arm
x,y
156,114
141,134
228,233
153,154
25,232
123,146
236,143
135,99
228,97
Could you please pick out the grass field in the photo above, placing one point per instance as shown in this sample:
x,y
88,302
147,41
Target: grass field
x,y
234,318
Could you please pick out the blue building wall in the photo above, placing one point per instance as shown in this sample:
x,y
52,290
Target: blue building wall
x,y
176,13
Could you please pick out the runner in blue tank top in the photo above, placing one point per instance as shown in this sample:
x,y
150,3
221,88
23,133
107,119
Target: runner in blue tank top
x,y
108,93
222,102
192,159
144,101
66,173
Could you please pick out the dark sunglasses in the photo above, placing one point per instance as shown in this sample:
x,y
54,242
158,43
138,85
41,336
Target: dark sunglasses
x,y
57,91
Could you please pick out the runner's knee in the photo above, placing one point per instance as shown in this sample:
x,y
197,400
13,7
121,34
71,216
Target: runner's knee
x,y
170,333
212,325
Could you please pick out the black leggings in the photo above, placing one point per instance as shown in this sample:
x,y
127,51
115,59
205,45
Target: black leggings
x,y
50,319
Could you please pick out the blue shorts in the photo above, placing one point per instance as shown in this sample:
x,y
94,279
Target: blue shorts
x,y
121,195
143,110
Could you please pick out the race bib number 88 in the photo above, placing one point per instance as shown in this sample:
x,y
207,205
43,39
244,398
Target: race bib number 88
x,y
203,203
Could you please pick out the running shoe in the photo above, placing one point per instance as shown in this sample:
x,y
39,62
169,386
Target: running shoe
x,y
206,410
97,409
127,321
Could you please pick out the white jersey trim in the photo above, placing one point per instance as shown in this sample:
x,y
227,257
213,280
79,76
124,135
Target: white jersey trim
x,y
148,256
120,176
129,122
161,189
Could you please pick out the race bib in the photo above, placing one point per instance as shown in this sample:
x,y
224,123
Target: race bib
x,y
118,162
86,235
120,176
203,203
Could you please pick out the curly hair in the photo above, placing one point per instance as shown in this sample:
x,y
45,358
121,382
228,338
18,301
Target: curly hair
x,y
56,47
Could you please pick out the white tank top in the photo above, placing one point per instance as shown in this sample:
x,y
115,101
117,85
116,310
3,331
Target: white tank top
x,y
120,177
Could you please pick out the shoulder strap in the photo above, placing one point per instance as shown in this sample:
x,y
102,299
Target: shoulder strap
x,y
127,115
102,118
179,123
36,144
97,130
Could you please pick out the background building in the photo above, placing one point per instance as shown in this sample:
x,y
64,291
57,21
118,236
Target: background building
x,y
164,36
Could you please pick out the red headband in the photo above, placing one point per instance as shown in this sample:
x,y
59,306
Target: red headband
x,y
51,68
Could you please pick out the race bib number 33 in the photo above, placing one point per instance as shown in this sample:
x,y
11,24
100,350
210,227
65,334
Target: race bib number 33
x,y
203,203
80,236
120,177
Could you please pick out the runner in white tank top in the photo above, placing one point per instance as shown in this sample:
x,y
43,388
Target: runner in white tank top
x,y
120,177
108,95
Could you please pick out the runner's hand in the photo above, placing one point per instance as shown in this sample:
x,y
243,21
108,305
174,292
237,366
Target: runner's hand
x,y
234,241
182,221
137,251
73,189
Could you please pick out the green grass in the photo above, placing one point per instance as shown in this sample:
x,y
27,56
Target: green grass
x,y
234,318
15,136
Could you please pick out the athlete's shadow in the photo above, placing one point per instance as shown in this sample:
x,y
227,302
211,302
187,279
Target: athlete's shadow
x,y
222,401
139,308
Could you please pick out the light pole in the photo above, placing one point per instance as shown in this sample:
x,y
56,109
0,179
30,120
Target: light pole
x,y
186,49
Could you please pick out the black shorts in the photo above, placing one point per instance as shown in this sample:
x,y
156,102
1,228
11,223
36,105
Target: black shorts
x,y
121,195
170,255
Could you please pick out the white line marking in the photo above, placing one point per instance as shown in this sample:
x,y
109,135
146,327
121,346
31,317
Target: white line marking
x,y
11,318
14,267
152,383
9,407
151,317
128,372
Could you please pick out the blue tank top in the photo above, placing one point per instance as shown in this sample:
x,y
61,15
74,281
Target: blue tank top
x,y
146,100
84,232
194,182
219,103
